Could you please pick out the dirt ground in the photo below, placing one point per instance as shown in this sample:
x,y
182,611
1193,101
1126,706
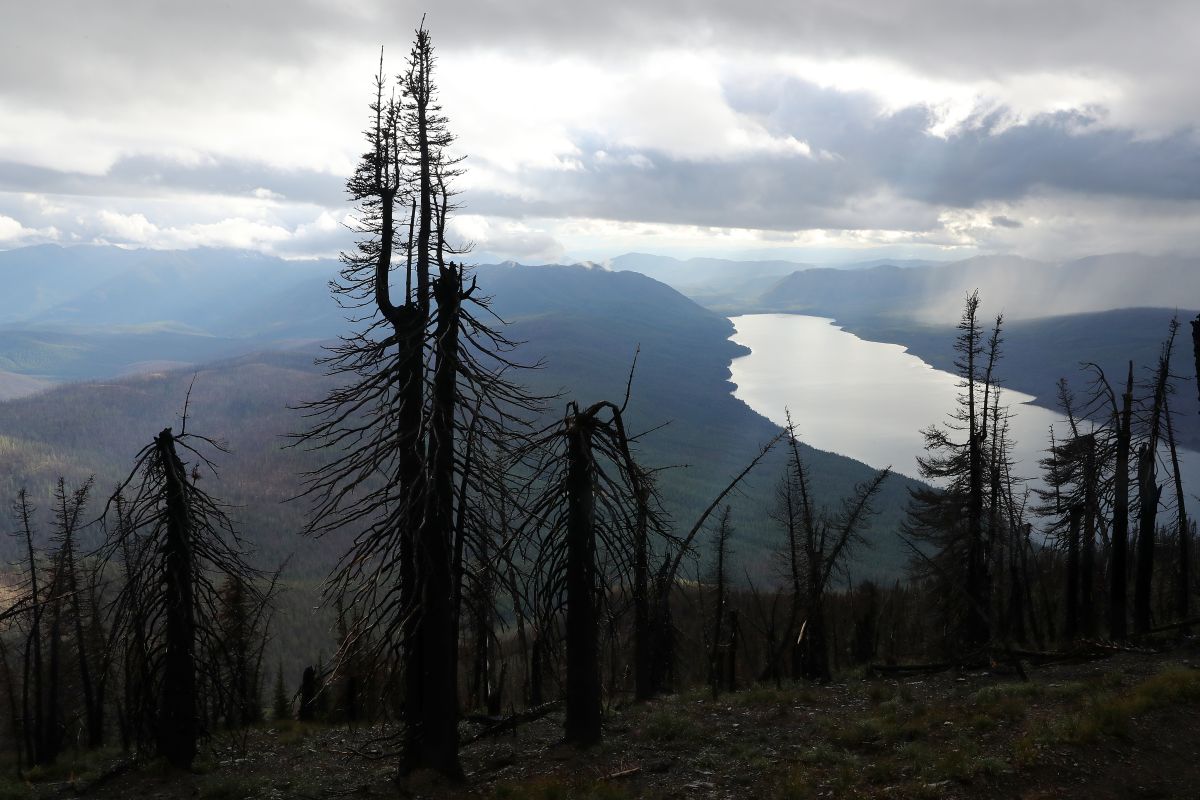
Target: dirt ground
x,y
1127,726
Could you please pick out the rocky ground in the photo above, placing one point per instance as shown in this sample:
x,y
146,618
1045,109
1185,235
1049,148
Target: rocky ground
x,y
1124,726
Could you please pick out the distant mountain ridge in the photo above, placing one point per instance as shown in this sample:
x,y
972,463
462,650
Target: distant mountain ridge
x,y
1020,288
582,324
724,282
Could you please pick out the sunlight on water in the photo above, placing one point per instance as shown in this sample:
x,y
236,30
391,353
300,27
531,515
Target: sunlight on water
x,y
869,400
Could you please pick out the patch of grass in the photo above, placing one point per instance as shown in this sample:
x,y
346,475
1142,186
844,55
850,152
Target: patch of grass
x,y
1111,713
228,787
763,695
74,767
555,788
291,731
824,754
664,725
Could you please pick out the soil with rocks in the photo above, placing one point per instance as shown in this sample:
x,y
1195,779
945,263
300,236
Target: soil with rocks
x,y
1126,726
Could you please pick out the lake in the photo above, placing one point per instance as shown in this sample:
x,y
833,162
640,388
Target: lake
x,y
870,400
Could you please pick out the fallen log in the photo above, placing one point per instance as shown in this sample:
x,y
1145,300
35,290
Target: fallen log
x,y
513,720
911,669
625,773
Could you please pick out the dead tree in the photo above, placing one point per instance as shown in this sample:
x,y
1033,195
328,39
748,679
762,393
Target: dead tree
x,y
1118,566
1196,350
1149,490
185,544
665,578
1183,577
823,539
309,688
770,626
581,527
420,372
39,712
68,513
720,582
950,520
1072,470
62,673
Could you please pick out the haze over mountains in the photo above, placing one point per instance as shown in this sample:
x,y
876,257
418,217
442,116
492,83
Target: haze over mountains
x,y
253,355
931,291
97,312
135,326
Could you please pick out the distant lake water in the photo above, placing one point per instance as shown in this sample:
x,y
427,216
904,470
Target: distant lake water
x,y
870,400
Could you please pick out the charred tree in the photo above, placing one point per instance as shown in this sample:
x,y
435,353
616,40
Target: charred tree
x,y
1196,350
720,580
1184,532
420,370
951,520
184,544
1071,629
586,490
1149,490
667,575
583,657
824,539
69,508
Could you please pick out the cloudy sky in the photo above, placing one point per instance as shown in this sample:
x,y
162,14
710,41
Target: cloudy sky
x,y
818,130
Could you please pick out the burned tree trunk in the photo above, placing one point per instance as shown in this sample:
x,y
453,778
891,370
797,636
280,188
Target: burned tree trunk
x,y
67,517
308,695
1183,584
720,584
1196,350
643,634
178,730
1150,491
175,541
583,657
33,709
437,629
1087,561
1071,631
735,632
1118,568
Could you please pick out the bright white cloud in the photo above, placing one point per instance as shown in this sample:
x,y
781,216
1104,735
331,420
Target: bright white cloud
x,y
168,125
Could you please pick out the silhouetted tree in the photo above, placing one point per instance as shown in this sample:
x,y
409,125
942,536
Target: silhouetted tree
x,y
1073,470
39,716
664,582
422,370
720,582
281,701
1149,491
584,514
1196,350
308,694
184,544
820,540
68,511
950,518
1183,529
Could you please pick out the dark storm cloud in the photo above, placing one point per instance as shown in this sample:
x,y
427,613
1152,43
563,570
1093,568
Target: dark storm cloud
x,y
148,176
63,43
868,169
89,90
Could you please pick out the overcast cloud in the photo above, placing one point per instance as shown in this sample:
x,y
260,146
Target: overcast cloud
x,y
929,128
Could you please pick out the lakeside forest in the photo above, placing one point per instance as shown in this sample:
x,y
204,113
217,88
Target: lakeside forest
x,y
496,559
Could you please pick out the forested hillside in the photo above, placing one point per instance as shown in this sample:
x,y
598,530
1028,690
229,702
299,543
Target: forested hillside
x,y
582,327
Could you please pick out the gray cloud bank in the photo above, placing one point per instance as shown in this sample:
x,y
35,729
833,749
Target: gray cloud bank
x,y
135,72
